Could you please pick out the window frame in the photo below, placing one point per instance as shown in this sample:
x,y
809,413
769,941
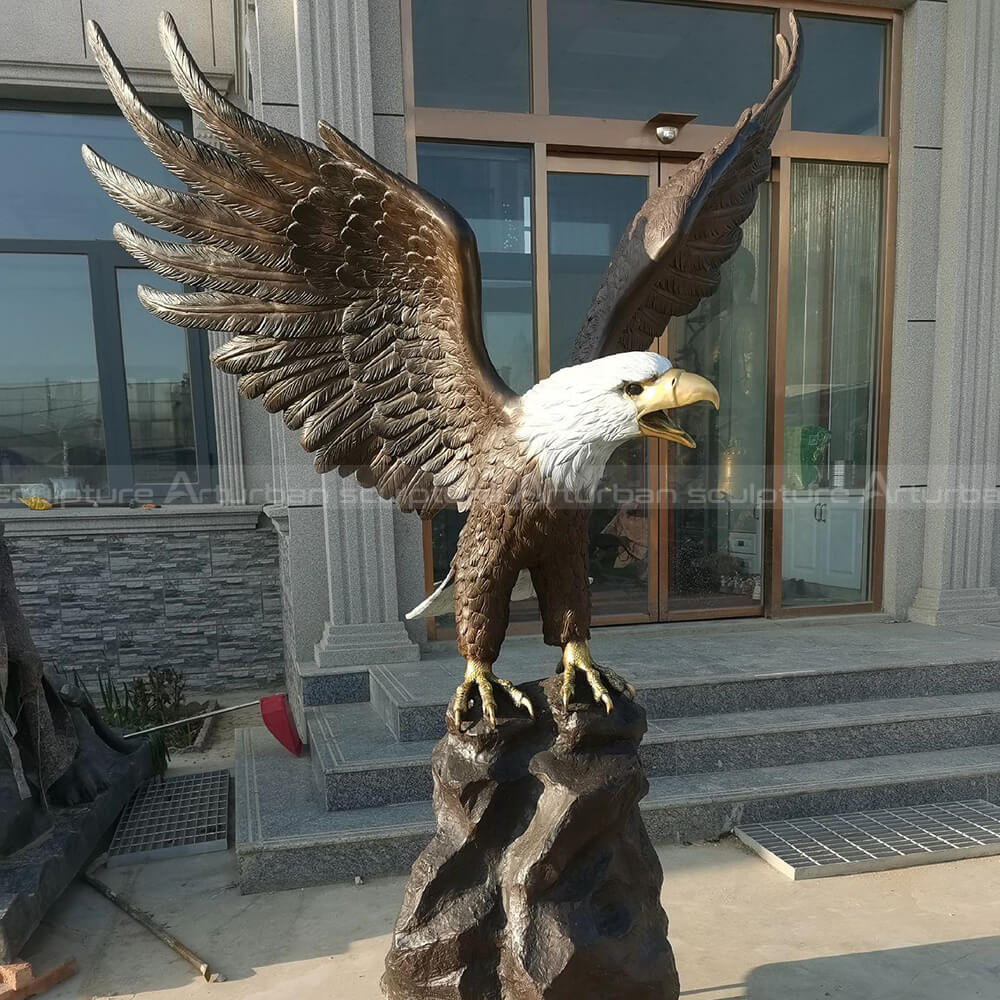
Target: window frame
x,y
104,258
550,136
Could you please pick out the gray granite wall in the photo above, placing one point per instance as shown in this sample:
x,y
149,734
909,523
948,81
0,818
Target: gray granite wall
x,y
204,599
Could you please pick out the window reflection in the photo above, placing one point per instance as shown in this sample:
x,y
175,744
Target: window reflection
x,y
48,192
471,55
631,59
716,540
51,427
491,187
158,385
841,86
832,336
587,215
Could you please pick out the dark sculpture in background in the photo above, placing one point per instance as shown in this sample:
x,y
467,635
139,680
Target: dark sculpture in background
x,y
353,300
54,747
64,775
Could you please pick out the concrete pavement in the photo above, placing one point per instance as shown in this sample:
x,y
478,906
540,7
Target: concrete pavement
x,y
740,930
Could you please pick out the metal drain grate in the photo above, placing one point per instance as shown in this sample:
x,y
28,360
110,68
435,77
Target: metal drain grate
x,y
187,814
878,840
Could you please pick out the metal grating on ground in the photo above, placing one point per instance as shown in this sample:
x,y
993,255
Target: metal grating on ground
x,y
187,814
876,841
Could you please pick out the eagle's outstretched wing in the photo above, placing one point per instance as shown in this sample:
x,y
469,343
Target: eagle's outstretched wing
x,y
352,294
671,255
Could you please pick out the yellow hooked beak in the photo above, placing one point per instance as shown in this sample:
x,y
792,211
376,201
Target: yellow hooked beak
x,y
674,388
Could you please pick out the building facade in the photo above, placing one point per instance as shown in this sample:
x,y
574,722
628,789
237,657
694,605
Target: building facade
x,y
853,465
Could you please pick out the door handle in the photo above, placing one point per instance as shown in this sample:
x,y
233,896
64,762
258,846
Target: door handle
x,y
822,513
816,507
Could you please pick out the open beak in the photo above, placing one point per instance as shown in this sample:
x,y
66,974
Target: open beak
x,y
673,389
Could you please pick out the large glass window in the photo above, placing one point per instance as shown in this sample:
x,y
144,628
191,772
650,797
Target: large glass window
x,y
841,88
632,59
471,55
48,194
99,401
51,424
588,212
830,363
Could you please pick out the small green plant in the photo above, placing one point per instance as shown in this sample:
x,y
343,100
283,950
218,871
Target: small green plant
x,y
118,710
149,701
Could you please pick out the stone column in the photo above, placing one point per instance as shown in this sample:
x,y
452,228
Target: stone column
x,y
364,626
226,404
965,404
296,494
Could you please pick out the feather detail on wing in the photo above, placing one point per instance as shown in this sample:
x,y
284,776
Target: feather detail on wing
x,y
671,255
352,295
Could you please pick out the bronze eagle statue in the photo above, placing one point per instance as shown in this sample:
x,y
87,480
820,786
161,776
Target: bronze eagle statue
x,y
353,299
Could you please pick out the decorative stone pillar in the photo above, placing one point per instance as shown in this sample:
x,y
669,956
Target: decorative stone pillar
x,y
965,410
226,403
364,627
228,434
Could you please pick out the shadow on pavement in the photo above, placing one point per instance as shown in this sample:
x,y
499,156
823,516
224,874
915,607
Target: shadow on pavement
x,y
956,970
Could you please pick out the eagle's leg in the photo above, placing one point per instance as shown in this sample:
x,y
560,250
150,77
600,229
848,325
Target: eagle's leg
x,y
576,657
483,584
480,676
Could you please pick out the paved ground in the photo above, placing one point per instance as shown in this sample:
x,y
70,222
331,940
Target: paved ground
x,y
740,930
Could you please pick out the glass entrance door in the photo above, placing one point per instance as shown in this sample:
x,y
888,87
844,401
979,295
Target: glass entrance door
x,y
713,515
675,533
771,513
590,204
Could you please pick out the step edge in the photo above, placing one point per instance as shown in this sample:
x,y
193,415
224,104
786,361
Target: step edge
x,y
917,715
719,679
821,785
330,838
650,803
697,736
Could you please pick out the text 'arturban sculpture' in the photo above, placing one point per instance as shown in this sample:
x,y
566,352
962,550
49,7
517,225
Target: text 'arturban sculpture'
x,y
353,298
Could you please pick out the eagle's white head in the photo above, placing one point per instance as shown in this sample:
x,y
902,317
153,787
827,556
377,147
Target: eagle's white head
x,y
571,422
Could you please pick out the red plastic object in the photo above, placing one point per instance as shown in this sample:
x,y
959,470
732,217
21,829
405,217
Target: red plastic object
x,y
277,716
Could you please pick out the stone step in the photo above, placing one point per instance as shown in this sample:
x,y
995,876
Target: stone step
x,y
356,763
286,839
411,698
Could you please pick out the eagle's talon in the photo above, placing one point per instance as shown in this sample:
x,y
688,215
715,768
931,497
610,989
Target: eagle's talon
x,y
576,656
481,677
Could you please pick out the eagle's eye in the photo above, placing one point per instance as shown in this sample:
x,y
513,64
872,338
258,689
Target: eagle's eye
x,y
633,389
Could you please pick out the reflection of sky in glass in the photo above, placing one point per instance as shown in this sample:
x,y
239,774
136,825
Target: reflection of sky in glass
x,y
491,187
48,327
471,55
622,59
587,215
840,89
48,192
155,351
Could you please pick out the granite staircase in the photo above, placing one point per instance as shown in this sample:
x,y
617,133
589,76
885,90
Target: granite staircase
x,y
816,718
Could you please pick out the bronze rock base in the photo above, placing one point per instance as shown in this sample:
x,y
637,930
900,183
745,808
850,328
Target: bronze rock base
x,y
541,881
